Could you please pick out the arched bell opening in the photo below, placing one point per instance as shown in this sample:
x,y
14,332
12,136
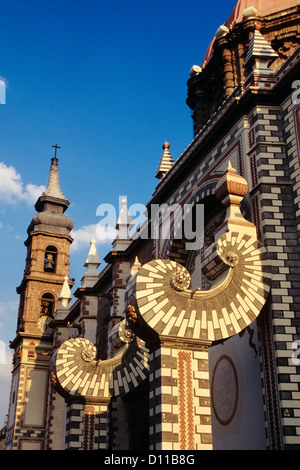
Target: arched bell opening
x,y
50,259
47,304
46,312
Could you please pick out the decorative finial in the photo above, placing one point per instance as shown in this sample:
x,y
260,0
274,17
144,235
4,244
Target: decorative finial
x,y
92,257
195,70
260,53
65,294
125,221
166,162
135,267
91,263
232,187
231,190
124,224
249,13
221,31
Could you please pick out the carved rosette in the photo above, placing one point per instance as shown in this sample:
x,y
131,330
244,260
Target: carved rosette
x,y
181,279
89,352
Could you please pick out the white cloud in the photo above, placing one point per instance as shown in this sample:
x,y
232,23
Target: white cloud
x,y
84,235
10,184
12,188
32,192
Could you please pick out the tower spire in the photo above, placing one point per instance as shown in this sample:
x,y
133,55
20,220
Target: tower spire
x,y
53,188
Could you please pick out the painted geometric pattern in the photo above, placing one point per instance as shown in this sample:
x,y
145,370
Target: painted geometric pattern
x,y
76,372
185,398
89,426
169,308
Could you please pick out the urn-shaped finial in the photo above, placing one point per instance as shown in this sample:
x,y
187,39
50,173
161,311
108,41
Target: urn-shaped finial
x,y
231,188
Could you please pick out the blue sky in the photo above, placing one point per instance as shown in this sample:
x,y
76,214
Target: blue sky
x,y
107,82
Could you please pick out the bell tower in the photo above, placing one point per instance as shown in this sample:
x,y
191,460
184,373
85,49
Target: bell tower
x,y
47,264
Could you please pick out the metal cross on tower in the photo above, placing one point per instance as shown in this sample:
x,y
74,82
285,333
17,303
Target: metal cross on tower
x,y
56,147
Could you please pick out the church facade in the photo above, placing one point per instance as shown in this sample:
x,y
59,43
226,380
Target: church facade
x,y
189,337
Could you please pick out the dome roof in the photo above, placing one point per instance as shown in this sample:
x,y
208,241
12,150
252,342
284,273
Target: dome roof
x,y
263,7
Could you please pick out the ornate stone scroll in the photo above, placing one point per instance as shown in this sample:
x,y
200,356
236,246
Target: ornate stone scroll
x,y
166,307
78,374
88,384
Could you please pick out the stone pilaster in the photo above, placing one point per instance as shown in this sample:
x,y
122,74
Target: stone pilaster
x,y
179,398
86,426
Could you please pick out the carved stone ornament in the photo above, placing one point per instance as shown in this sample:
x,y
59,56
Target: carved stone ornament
x,y
89,353
231,258
181,280
121,334
96,378
131,314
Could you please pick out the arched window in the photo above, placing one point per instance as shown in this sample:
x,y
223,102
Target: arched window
x,y
46,313
50,259
47,305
